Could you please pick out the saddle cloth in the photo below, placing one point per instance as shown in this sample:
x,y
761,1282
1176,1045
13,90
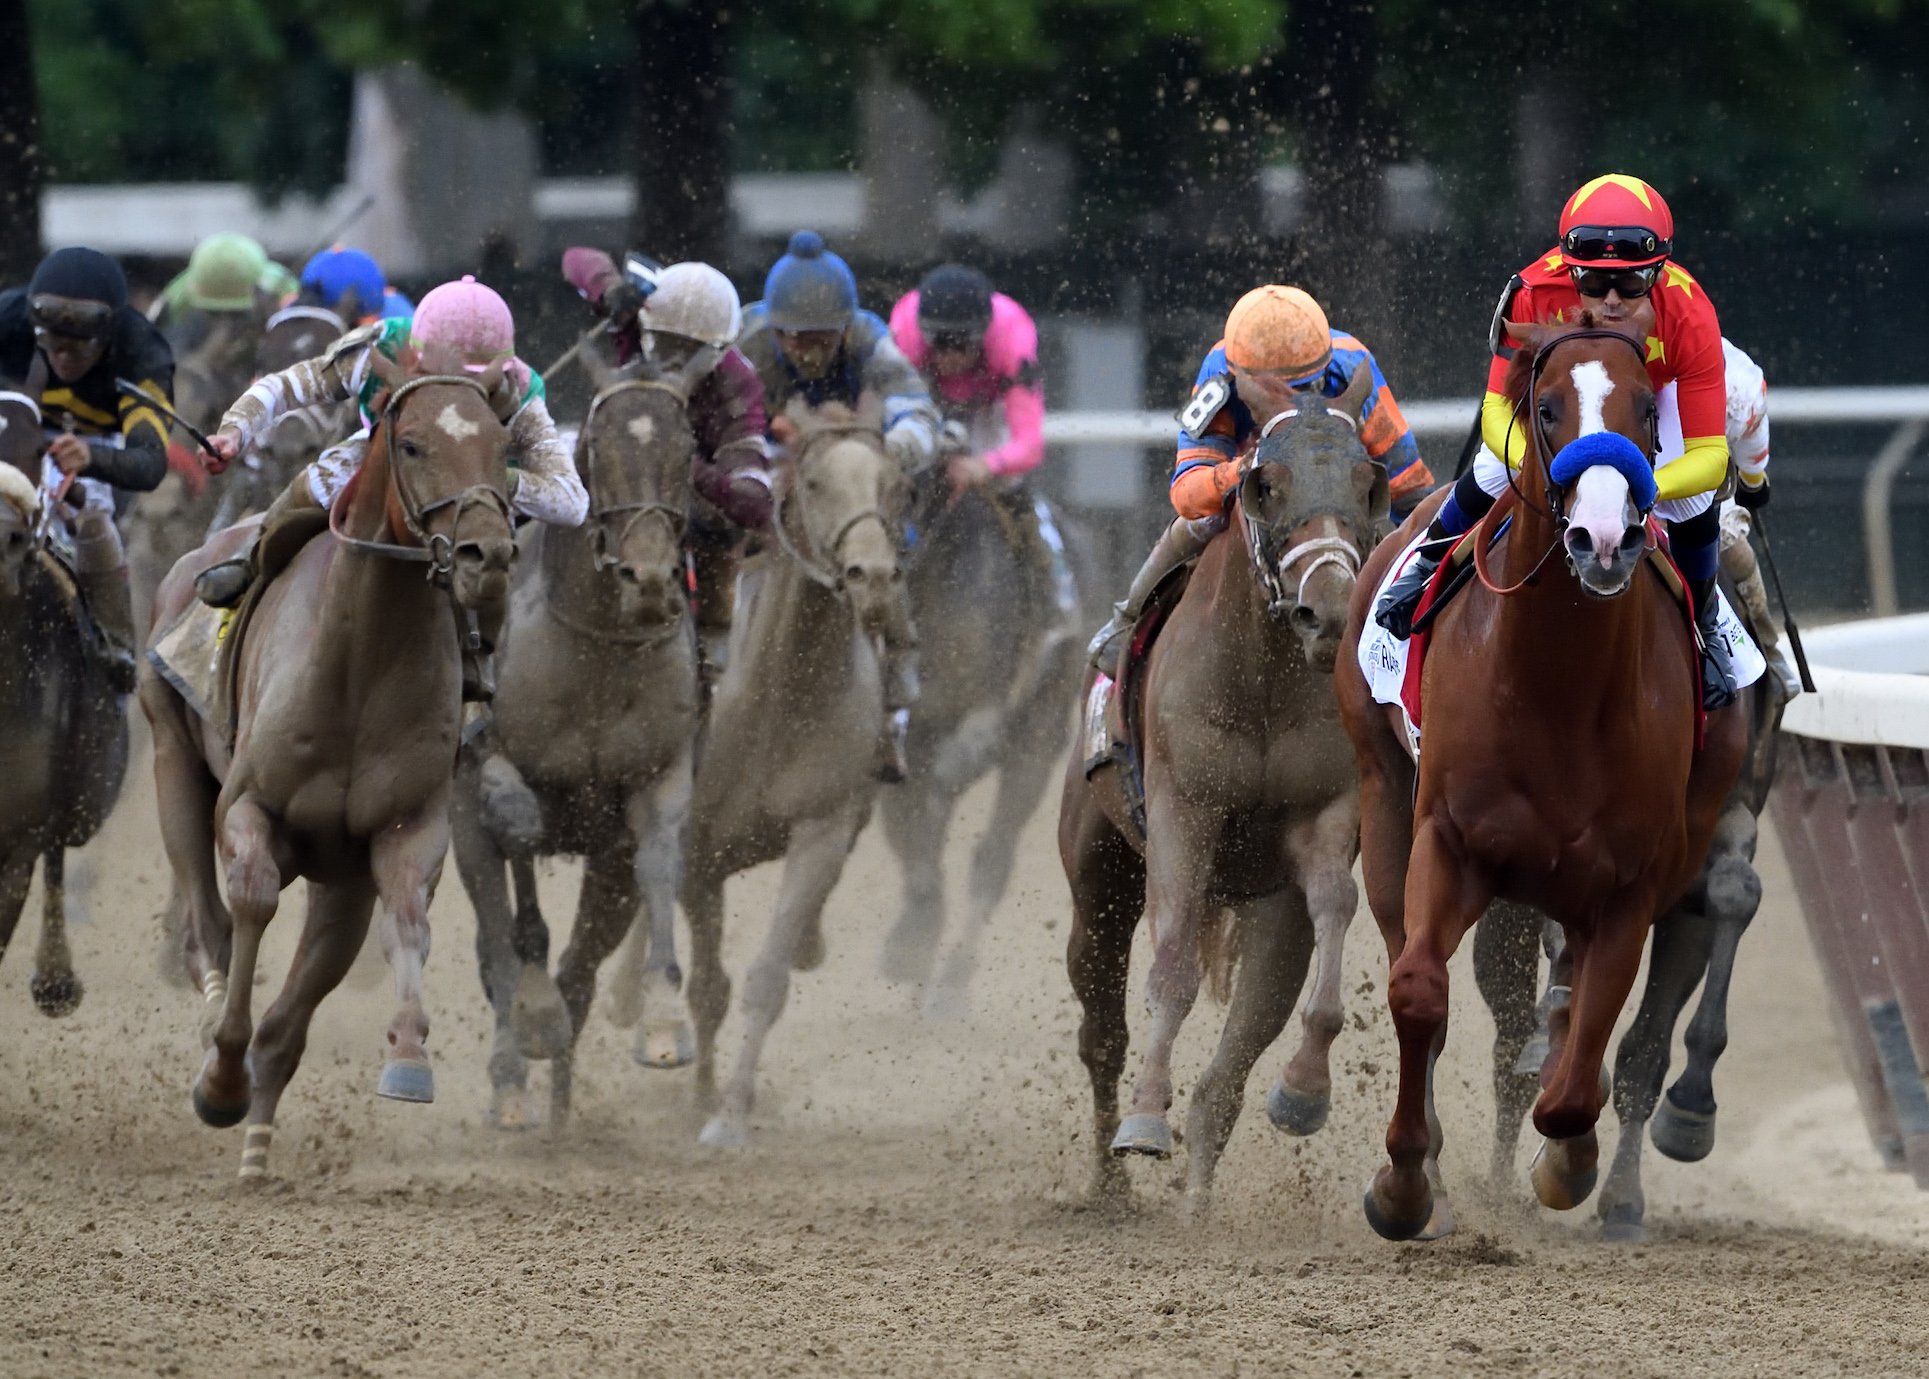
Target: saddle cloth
x,y
188,654
1383,656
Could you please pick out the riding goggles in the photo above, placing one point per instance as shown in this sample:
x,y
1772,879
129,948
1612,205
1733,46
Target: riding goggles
x,y
71,317
1629,282
955,338
1627,243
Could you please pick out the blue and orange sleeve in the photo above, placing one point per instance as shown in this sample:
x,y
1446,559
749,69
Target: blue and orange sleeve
x,y
1383,429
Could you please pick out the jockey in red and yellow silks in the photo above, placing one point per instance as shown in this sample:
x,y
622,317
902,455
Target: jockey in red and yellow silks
x,y
1614,262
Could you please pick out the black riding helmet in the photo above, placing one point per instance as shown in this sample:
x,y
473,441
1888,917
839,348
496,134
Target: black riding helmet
x,y
954,306
77,293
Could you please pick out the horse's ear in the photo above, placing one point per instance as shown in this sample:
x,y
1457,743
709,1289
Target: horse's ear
x,y
1358,389
1371,489
499,385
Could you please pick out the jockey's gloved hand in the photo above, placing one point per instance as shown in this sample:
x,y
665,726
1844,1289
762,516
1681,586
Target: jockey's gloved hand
x,y
1752,498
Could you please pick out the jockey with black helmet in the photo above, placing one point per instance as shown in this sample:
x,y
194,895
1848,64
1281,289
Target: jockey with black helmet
x,y
70,337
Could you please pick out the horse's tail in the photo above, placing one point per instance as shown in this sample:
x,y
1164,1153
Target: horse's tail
x,y
1219,953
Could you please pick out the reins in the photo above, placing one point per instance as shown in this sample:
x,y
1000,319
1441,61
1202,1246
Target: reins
x,y
436,551
675,518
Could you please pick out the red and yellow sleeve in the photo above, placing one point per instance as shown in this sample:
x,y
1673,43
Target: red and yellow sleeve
x,y
1689,345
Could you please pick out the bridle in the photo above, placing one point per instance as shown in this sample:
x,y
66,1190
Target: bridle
x,y
674,518
1345,553
436,551
1555,511
300,312
814,567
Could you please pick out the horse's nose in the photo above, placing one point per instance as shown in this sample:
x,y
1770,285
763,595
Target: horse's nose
x,y
1604,542
1306,620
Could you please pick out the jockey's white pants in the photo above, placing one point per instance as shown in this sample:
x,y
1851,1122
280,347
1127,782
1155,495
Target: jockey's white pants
x,y
1491,475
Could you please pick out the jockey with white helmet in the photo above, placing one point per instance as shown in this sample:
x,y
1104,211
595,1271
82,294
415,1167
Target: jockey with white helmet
x,y
690,307
466,317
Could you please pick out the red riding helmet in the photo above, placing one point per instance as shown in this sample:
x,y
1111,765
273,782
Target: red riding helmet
x,y
1616,221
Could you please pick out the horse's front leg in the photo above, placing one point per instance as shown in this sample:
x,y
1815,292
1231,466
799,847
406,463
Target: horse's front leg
x,y
1605,962
657,815
1321,850
405,859
1444,897
1179,848
225,1086
480,862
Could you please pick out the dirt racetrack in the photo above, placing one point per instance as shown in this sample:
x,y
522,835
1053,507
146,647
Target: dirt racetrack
x,y
913,1198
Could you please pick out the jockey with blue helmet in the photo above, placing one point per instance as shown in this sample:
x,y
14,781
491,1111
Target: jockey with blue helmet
x,y
808,338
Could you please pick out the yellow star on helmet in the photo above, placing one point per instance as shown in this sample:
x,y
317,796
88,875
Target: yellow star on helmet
x,y
1618,179
1677,276
1657,349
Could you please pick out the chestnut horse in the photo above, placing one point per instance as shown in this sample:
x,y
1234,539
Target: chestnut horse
x,y
1559,765
349,706
1251,804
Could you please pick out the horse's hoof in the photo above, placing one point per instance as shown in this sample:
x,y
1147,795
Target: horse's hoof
x,y
810,948
56,996
945,1004
511,1109
665,1044
407,1079
1295,1112
1557,1186
1685,1136
1389,1224
1440,1222
538,1016
1143,1134
220,1114
1621,1225
723,1132
254,1152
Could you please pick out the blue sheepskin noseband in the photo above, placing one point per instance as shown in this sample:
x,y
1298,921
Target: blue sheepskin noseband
x,y
1613,449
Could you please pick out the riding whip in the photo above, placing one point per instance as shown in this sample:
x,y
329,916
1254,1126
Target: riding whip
x,y
121,385
1788,618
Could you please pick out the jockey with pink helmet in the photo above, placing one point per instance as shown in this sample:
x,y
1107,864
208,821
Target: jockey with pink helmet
x,y
465,317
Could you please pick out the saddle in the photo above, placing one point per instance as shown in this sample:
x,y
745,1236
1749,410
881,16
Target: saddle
x,y
1114,718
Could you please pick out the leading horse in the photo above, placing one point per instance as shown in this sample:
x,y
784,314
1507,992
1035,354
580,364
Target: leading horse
x,y
1560,765
348,693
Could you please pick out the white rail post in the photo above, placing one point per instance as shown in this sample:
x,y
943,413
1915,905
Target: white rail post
x,y
1878,536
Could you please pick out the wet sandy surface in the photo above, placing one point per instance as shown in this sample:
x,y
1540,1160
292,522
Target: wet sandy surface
x,y
913,1199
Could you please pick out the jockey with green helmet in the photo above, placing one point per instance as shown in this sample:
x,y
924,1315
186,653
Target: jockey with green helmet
x,y
227,272
465,317
808,339
1614,261
70,341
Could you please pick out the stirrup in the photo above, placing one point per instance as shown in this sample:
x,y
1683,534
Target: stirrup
x,y
1717,680
1107,647
1397,606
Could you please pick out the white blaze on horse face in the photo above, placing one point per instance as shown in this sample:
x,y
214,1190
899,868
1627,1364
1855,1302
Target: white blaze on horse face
x,y
456,426
1601,509
643,428
1592,383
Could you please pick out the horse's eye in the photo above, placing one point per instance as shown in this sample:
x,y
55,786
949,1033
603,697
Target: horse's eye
x,y
411,449
1547,412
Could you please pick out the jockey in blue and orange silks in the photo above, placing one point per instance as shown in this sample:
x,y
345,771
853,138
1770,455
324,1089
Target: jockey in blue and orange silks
x,y
1277,342
1614,260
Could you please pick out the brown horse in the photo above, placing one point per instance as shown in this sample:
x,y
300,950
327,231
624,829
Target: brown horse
x,y
1251,804
1559,765
348,711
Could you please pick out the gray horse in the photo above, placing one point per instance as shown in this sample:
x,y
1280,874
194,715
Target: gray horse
x,y
63,747
1000,667
598,713
786,770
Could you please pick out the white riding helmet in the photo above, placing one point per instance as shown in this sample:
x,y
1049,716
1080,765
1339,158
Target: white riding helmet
x,y
695,301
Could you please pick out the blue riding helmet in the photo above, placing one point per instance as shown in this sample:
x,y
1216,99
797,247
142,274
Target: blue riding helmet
x,y
334,273
810,288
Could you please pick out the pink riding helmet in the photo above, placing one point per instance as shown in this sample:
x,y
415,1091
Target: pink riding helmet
x,y
469,317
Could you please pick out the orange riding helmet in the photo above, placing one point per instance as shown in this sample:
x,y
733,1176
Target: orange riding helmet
x,y
1616,221
1274,329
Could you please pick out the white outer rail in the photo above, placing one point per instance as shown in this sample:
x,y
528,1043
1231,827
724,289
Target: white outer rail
x,y
1905,408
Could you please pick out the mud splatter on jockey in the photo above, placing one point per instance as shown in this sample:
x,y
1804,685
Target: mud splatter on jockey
x,y
690,307
69,337
1277,342
978,351
464,317
1614,260
807,338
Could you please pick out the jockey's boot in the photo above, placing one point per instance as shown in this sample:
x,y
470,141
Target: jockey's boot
x,y
100,568
715,558
290,522
898,655
1717,671
1397,606
1181,544
1738,563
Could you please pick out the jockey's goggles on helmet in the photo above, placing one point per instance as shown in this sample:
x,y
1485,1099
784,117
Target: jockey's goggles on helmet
x,y
74,318
1629,282
1586,244
959,338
